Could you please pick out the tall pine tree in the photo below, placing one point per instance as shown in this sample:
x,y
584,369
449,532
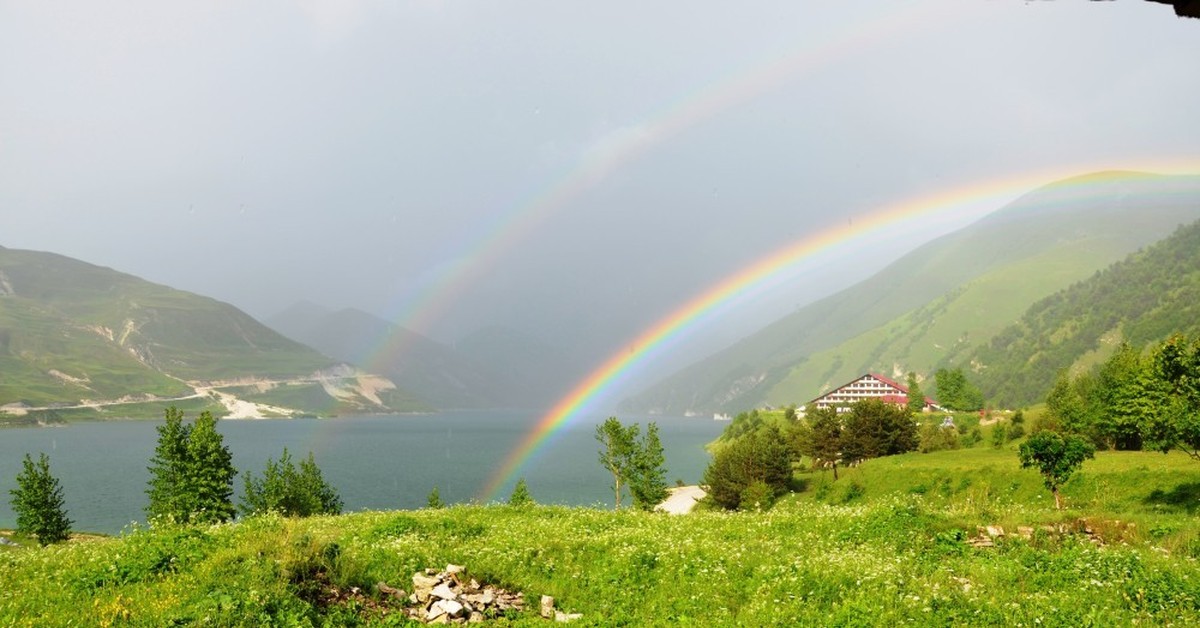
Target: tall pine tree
x,y
191,473
648,477
916,398
167,488
38,503
209,473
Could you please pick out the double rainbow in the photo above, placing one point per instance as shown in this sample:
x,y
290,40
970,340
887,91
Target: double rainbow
x,y
962,204
420,307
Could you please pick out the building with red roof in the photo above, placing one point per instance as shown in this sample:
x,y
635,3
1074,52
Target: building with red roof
x,y
869,386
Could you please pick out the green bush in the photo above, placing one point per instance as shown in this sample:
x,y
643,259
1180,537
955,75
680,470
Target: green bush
x,y
290,491
757,496
762,456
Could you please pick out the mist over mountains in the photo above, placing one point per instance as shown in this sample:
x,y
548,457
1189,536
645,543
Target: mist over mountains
x,y
935,304
82,340
494,367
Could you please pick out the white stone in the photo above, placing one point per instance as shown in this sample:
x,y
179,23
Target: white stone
x,y
443,591
450,607
422,585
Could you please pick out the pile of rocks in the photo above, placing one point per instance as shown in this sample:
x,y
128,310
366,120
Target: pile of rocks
x,y
987,536
448,596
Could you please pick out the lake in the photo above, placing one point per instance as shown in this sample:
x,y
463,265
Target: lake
x,y
375,462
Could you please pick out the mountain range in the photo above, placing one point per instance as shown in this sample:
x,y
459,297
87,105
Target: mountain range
x,y
1053,280
79,340
935,305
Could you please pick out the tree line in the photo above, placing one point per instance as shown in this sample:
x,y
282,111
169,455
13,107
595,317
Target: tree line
x,y
752,467
1135,399
191,482
192,475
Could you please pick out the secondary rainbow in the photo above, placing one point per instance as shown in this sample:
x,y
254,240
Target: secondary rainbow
x,y
476,251
962,204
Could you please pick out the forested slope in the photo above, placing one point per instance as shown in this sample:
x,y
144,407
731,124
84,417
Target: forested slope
x,y
1144,298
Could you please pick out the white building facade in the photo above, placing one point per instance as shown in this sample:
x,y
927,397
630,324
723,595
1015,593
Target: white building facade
x,y
869,386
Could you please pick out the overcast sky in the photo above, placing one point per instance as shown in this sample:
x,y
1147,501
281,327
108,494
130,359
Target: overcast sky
x,y
575,170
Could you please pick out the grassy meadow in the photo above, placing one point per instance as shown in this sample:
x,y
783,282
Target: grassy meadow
x,y
887,543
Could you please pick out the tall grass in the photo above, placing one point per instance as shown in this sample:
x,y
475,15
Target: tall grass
x,y
891,551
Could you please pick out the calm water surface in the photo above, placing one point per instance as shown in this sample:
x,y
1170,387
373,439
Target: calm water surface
x,y
377,462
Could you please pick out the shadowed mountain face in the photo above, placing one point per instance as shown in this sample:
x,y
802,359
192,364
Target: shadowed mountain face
x,y
492,368
74,334
941,299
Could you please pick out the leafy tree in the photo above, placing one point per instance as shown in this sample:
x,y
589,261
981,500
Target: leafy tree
x,y
618,453
1056,457
635,461
1173,386
313,483
520,495
819,436
648,475
1065,404
191,473
873,428
290,491
955,392
1122,394
916,398
763,456
434,500
789,413
38,503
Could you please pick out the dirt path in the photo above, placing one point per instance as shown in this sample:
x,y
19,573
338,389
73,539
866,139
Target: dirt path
x,y
682,500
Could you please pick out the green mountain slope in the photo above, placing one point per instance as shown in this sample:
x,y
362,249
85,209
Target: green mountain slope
x,y
1142,299
945,328
75,334
940,299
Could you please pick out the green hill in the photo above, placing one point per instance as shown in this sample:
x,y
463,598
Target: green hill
x,y
83,340
941,300
1142,299
896,541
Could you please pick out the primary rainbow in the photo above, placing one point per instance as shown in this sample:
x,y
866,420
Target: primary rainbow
x,y
962,204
